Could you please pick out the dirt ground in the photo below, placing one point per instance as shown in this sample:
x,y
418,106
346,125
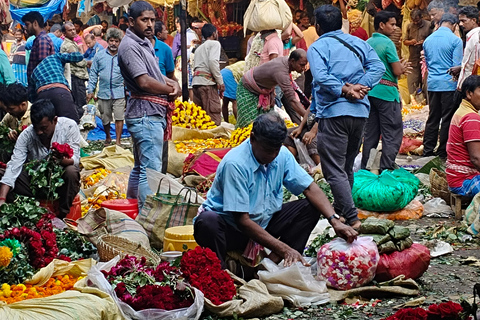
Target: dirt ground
x,y
446,279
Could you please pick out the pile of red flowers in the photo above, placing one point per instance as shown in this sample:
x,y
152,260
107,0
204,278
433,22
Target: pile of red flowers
x,y
203,270
41,241
144,287
444,311
61,151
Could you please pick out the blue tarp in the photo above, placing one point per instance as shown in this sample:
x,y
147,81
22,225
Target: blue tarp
x,y
99,133
47,10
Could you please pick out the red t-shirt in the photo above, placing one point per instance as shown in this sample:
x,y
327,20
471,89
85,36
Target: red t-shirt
x,y
464,127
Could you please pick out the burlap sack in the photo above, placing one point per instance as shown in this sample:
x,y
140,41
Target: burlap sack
x,y
253,301
395,287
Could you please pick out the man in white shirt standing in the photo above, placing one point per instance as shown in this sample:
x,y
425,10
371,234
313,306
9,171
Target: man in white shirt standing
x,y
468,17
207,80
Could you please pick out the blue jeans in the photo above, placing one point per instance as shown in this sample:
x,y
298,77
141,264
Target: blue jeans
x,y
147,136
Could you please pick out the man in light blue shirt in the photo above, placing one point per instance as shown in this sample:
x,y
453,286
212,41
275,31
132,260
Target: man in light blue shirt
x,y
245,201
344,69
163,51
111,91
443,51
56,34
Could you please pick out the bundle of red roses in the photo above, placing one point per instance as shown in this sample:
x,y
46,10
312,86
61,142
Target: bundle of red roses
x,y
41,244
203,270
144,287
61,151
443,311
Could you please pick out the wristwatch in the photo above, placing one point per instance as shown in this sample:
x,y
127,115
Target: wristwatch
x,y
336,216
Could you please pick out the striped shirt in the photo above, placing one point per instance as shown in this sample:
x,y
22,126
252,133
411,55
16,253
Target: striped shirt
x,y
464,128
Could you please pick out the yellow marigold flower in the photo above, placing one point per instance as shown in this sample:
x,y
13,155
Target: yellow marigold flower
x,y
5,256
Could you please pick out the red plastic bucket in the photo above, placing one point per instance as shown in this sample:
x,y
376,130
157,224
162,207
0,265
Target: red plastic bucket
x,y
75,210
127,206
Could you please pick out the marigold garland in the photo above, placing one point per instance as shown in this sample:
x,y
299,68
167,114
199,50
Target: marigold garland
x,y
19,292
5,256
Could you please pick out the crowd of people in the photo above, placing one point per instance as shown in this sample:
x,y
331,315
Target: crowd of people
x,y
339,85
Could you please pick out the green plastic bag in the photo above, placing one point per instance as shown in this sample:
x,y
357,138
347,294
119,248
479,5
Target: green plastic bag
x,y
389,191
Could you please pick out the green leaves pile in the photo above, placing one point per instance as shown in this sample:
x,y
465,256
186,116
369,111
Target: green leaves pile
x,y
45,178
73,245
6,145
24,211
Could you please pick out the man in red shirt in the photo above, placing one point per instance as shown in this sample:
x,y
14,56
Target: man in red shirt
x,y
463,146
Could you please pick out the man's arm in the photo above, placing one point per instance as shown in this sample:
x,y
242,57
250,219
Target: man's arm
x,y
44,48
14,166
458,53
374,68
262,237
92,78
474,153
214,66
318,199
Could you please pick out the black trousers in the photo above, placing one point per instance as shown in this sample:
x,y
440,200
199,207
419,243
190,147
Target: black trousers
x,y
442,107
66,192
338,143
385,119
79,92
62,99
292,225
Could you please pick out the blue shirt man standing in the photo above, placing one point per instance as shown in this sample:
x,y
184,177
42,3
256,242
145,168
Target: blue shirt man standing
x,y
163,51
344,69
443,51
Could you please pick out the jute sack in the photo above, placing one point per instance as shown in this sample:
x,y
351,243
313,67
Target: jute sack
x,y
253,301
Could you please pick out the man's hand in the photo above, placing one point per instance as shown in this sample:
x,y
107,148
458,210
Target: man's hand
x,y
290,256
406,66
89,63
176,91
296,132
221,90
418,43
412,42
356,91
308,137
344,231
454,71
13,135
90,96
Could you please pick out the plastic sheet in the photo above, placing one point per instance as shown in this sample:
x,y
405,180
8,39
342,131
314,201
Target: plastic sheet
x,y
294,283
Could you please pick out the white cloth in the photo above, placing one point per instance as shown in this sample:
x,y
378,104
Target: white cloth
x,y
207,57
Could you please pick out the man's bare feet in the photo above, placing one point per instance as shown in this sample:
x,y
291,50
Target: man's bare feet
x,y
108,142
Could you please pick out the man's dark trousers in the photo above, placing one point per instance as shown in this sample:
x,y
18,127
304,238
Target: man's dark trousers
x,y
292,224
385,119
442,107
338,143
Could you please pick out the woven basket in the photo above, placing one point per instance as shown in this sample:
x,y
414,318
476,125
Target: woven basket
x,y
110,246
439,185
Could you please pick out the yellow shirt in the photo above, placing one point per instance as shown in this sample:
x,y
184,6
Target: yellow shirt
x,y
17,124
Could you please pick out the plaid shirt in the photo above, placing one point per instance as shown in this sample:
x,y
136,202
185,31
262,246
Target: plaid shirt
x,y
42,48
51,70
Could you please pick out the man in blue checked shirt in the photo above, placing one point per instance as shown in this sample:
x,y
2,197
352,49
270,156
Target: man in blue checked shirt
x,y
344,69
48,82
111,93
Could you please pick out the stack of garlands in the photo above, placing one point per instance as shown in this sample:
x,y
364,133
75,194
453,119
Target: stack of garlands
x,y
46,174
241,134
19,292
196,145
95,202
188,115
95,177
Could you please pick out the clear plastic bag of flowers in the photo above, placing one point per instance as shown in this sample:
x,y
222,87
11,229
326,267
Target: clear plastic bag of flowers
x,y
345,266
